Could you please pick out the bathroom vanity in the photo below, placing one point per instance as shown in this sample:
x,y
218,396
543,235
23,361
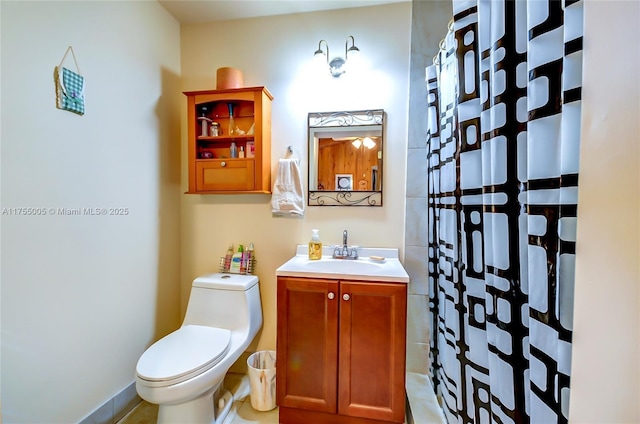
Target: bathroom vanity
x,y
341,339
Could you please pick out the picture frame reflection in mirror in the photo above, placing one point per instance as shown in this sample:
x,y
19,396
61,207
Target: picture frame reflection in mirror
x,y
344,182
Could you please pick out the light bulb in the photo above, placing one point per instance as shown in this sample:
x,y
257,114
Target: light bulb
x,y
369,143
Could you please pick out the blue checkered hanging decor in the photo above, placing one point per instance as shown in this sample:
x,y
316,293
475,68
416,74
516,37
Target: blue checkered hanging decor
x,y
69,87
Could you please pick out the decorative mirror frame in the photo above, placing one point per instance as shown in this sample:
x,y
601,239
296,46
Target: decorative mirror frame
x,y
327,121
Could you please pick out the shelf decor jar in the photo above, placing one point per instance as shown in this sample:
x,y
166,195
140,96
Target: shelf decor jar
x,y
215,129
228,78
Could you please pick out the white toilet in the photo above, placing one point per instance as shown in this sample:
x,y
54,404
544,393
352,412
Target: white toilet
x,y
183,371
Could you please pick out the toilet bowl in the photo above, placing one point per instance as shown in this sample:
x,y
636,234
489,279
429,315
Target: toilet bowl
x,y
183,372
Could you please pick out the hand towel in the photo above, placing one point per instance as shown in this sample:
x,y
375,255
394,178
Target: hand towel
x,y
287,197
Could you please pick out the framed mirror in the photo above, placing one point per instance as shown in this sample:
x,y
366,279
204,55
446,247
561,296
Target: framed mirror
x,y
345,158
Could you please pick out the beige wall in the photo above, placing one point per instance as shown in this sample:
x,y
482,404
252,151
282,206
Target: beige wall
x,y
605,384
83,296
277,52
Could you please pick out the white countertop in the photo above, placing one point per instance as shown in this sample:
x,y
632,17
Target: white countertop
x,y
388,269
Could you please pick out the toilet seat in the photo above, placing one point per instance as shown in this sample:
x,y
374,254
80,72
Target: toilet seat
x,y
183,354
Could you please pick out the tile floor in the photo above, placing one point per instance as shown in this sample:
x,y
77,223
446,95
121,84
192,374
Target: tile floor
x,y
423,404
422,400
241,411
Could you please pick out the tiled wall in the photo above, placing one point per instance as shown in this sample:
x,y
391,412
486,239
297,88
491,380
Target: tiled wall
x,y
428,27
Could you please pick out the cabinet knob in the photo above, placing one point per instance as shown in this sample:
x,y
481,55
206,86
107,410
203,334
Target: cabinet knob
x,y
346,296
223,164
331,295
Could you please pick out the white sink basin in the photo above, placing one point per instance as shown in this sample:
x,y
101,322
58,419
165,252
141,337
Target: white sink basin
x,y
348,266
388,269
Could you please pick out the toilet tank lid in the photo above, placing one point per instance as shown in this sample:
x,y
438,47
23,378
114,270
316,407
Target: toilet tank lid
x,y
224,281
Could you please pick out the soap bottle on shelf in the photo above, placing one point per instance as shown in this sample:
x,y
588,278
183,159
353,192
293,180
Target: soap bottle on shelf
x,y
248,258
227,259
236,260
243,263
241,152
315,245
233,150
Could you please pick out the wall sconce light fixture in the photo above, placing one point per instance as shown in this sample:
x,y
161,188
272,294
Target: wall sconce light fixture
x,y
337,65
367,142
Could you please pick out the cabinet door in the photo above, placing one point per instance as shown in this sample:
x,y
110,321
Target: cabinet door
x,y
307,344
372,350
225,175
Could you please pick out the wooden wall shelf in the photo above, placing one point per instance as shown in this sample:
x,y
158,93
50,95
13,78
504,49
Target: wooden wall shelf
x,y
212,170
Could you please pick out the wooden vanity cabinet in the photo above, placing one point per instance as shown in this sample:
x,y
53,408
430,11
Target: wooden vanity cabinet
x,y
340,351
211,169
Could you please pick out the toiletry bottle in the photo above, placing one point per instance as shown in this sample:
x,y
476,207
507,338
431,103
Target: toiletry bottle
x,y
315,245
232,121
236,260
227,258
243,263
249,259
233,150
241,152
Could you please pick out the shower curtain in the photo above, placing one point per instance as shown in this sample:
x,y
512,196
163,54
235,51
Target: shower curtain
x,y
503,147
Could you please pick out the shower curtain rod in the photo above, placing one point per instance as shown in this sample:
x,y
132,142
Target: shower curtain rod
x,y
442,44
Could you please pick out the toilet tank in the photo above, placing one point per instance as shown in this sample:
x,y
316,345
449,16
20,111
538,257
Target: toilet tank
x,y
230,301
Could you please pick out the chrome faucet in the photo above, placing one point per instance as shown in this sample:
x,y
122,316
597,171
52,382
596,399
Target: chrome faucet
x,y
345,247
345,252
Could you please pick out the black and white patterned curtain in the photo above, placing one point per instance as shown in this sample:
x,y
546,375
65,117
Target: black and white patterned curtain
x,y
503,145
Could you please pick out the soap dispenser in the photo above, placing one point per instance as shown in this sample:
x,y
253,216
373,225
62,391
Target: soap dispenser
x,y
315,245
